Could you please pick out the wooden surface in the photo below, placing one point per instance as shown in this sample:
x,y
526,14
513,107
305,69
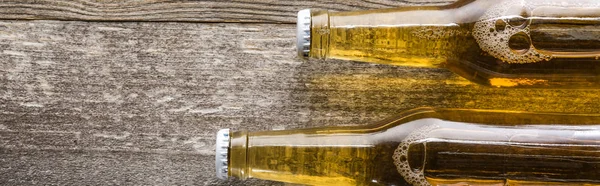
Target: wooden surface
x,y
99,102
253,11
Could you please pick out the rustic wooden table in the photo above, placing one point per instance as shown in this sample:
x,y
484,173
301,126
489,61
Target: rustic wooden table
x,y
120,92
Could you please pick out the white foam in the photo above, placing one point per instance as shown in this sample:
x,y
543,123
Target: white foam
x,y
496,42
414,175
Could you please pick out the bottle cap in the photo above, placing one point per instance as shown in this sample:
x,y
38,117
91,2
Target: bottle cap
x,y
222,150
303,33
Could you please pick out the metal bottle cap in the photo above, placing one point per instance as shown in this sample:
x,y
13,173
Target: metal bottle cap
x,y
222,150
303,33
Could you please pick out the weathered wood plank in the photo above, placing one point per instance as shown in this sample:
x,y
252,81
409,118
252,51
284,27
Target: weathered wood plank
x,y
263,11
133,102
138,103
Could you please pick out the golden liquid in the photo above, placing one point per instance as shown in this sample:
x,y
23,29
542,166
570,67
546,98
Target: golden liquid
x,y
429,147
501,43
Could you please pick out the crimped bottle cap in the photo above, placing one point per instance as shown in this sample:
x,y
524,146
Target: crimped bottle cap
x,y
222,151
303,33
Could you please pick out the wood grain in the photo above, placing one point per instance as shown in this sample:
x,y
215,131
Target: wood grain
x,y
138,103
255,11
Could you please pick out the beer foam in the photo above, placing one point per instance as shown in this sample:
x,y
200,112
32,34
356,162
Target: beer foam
x,y
495,40
414,175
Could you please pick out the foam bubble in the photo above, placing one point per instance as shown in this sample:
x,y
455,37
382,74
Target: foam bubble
x,y
433,33
415,177
492,32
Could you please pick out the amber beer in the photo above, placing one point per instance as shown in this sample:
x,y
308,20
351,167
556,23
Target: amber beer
x,y
502,43
423,147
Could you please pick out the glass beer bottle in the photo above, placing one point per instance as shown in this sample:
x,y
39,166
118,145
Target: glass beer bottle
x,y
500,43
423,147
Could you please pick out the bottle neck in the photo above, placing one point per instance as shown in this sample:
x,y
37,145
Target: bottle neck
x,y
339,156
407,36
237,155
299,156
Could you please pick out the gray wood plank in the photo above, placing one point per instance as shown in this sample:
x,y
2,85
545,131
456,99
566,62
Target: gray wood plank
x,y
138,103
260,11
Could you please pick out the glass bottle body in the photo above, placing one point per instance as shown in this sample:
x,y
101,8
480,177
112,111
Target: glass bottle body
x,y
428,147
502,43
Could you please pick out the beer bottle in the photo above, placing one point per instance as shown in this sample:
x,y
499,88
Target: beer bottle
x,y
500,43
423,147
